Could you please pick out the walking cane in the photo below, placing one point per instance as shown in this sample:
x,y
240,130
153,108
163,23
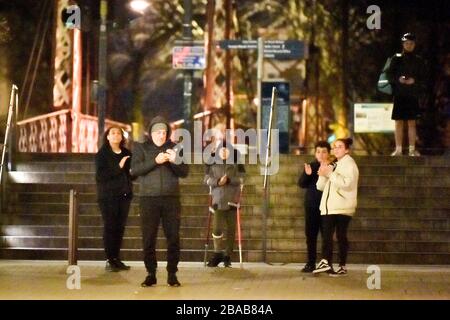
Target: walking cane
x,y
238,218
210,211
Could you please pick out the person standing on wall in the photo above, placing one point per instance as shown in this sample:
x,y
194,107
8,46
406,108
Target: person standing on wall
x,y
406,74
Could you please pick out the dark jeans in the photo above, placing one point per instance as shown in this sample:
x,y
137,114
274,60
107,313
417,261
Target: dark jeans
x,y
115,213
312,227
330,223
154,209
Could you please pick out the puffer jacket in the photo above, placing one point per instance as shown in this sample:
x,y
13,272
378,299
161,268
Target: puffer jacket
x,y
340,188
156,179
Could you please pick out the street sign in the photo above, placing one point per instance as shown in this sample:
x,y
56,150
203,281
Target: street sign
x,y
273,49
188,57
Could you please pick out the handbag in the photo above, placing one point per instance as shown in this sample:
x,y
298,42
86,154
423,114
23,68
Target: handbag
x,y
383,84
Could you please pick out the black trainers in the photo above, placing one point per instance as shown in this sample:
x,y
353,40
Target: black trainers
x,y
323,266
111,266
215,260
341,272
120,264
227,261
149,280
308,268
172,280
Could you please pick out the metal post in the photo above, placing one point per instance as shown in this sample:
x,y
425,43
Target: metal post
x,y
228,9
260,75
73,228
188,74
8,141
102,64
266,184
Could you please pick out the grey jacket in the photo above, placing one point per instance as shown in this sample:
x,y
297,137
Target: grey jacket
x,y
229,192
156,179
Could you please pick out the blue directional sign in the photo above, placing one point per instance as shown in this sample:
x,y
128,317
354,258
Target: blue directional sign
x,y
273,49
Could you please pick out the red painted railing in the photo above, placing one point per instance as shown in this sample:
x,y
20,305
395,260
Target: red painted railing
x,y
62,131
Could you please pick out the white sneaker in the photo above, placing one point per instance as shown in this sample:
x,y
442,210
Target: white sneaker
x,y
414,153
341,272
323,266
396,153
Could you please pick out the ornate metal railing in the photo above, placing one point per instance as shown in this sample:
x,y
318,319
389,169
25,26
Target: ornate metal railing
x,y
61,132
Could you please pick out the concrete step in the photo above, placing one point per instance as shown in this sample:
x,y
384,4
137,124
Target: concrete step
x,y
276,257
283,159
247,243
427,199
283,222
200,189
406,210
292,179
284,168
273,232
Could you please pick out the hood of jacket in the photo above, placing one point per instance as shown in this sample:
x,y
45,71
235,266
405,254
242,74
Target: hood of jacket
x,y
155,120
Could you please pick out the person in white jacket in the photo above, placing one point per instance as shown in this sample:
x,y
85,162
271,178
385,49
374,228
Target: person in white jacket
x,y
339,184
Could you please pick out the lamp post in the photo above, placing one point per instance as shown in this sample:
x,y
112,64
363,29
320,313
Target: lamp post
x,y
187,74
139,6
102,64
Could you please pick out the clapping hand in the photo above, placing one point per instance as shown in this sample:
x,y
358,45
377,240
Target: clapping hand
x,y
324,170
308,169
122,161
222,180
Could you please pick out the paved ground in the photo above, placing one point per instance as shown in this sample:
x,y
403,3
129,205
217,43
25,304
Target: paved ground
x,y
48,280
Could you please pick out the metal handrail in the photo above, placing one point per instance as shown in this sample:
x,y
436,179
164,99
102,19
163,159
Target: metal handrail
x,y
12,116
13,102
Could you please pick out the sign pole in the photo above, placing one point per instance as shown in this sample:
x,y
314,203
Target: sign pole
x,y
259,76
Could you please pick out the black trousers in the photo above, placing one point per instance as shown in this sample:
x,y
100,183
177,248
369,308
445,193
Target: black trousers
x,y
115,213
312,227
330,224
167,209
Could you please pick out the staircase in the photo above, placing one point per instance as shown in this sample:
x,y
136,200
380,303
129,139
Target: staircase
x,y
402,217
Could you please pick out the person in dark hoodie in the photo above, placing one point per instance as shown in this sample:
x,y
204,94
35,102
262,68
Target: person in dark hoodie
x,y
224,176
308,181
154,163
114,193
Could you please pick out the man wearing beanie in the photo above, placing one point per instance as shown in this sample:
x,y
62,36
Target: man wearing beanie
x,y
154,163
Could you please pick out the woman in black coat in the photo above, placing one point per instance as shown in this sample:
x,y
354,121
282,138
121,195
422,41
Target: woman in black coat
x,y
114,193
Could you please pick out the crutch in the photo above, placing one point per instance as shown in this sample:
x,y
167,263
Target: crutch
x,y
238,218
208,228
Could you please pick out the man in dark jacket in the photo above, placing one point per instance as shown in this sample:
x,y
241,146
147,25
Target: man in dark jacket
x,y
406,74
154,163
308,181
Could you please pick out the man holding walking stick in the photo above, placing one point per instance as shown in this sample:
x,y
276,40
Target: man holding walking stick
x,y
224,176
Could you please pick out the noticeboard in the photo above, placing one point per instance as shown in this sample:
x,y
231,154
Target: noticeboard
x,y
373,118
